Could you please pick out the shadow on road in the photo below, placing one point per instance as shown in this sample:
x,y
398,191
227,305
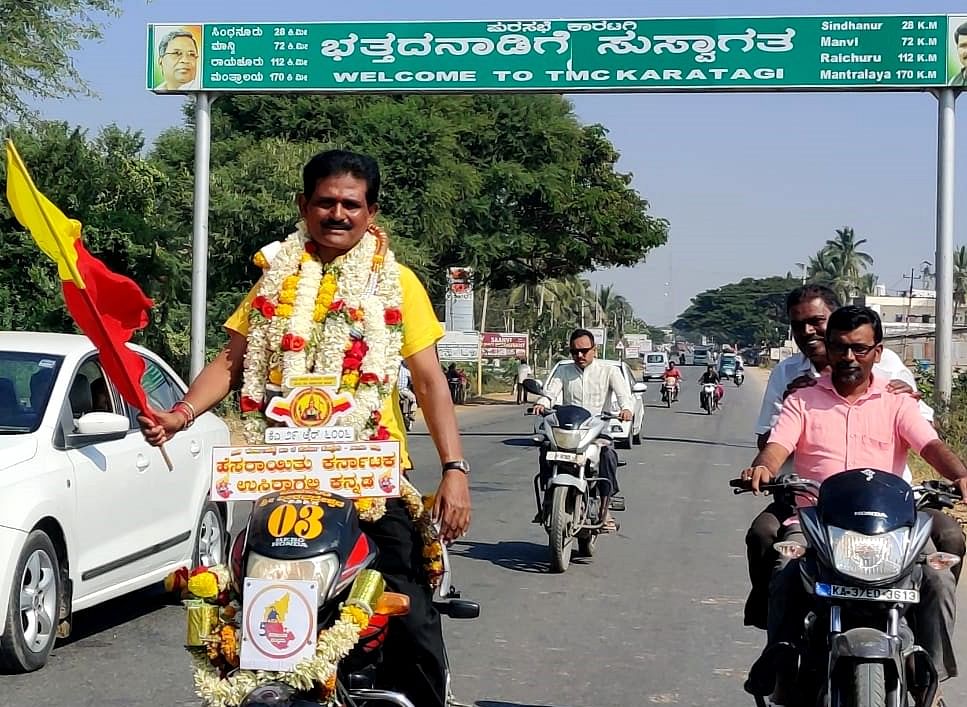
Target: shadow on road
x,y
116,612
709,442
519,442
516,555
498,703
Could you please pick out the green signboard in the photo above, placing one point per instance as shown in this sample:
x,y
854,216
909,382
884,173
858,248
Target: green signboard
x,y
894,52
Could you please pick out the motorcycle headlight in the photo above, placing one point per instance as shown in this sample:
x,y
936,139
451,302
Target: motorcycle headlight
x,y
320,569
567,439
873,558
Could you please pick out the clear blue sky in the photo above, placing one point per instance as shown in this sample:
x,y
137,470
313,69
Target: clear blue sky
x,y
751,183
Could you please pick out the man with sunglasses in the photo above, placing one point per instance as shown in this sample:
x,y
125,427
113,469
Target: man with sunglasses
x,y
809,308
846,420
590,384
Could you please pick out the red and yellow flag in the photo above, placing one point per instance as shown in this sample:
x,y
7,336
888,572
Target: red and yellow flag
x,y
108,308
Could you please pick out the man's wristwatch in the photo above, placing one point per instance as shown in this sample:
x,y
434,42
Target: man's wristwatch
x,y
459,464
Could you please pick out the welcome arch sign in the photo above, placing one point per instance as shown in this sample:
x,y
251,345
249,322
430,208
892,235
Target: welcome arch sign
x,y
915,52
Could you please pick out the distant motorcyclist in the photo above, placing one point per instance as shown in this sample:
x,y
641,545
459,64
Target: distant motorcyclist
x,y
712,376
589,384
405,385
672,372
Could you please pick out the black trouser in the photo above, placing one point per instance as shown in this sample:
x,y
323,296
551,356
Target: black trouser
x,y
946,534
607,469
521,393
414,656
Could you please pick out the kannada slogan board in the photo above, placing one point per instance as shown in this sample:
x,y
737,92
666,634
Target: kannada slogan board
x,y
831,52
359,470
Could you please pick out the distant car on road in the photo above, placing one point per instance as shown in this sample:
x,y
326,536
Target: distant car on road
x,y
701,357
88,509
624,434
655,364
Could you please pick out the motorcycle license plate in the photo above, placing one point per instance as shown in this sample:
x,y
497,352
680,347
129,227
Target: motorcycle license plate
x,y
837,591
565,457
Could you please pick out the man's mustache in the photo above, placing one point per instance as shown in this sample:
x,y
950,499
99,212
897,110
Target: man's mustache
x,y
847,368
337,225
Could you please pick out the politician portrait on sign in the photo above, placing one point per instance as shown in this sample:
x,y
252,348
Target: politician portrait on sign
x,y
176,58
957,50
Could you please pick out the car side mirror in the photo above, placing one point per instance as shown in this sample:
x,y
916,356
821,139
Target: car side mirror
x,y
533,386
639,388
95,427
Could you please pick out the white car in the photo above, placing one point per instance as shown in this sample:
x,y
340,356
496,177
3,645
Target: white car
x,y
626,433
656,362
88,509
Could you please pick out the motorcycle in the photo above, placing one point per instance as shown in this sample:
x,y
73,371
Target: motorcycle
x,y
334,558
707,397
669,391
739,377
569,436
862,570
408,408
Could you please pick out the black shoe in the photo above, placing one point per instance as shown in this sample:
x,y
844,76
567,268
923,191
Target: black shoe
x,y
538,519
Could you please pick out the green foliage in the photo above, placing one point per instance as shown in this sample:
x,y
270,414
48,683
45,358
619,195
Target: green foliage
x,y
949,419
36,41
514,186
746,313
842,266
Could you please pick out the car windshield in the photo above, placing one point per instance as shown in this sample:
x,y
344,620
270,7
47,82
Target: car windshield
x,y
26,380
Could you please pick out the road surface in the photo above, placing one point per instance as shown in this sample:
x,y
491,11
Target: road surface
x,y
654,618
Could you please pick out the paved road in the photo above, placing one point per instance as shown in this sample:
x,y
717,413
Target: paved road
x,y
654,618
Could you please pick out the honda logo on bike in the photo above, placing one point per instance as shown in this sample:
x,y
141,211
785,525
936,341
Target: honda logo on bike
x,y
869,474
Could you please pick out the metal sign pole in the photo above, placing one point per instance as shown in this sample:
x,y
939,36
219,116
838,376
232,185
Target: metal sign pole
x,y
199,236
947,98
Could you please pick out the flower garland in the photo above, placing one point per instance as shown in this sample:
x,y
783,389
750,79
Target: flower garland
x,y
342,318
333,645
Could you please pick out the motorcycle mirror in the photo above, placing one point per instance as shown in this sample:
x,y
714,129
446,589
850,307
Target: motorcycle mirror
x,y
458,608
532,386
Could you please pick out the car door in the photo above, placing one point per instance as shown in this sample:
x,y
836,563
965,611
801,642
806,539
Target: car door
x,y
176,493
113,493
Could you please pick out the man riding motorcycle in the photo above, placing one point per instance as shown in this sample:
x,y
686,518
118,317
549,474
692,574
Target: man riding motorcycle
x,y
590,384
672,372
809,308
712,376
848,419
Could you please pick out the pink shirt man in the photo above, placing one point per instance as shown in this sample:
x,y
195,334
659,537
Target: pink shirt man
x,y
829,435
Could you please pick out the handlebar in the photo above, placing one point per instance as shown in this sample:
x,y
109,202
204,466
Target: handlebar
x,y
937,493
791,484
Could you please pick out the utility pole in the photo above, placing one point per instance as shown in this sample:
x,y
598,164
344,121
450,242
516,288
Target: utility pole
x,y
906,333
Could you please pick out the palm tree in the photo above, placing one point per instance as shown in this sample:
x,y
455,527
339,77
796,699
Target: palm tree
x,y
824,268
846,249
960,279
866,285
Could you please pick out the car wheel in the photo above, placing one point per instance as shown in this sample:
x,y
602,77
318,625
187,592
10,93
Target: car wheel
x,y
210,537
624,443
31,621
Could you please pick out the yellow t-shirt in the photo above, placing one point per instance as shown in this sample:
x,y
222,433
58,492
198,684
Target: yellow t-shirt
x,y
421,329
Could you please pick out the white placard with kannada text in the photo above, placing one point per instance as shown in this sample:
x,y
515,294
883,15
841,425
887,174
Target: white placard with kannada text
x,y
368,469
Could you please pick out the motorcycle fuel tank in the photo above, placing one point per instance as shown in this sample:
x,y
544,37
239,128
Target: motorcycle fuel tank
x,y
297,525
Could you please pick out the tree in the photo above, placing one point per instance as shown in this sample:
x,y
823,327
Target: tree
x,y
513,186
960,279
841,266
746,312
35,48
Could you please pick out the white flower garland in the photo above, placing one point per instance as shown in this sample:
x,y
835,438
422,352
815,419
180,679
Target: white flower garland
x,y
333,645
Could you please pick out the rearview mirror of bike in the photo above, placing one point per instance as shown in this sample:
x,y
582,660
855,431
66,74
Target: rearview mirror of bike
x,y
533,386
458,608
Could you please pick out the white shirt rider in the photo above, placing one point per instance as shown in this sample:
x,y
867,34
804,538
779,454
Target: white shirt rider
x,y
591,388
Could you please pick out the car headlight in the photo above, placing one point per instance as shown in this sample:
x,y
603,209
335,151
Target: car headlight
x,y
320,569
873,558
567,439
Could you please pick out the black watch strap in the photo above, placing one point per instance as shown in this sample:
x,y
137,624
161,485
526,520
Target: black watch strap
x,y
460,465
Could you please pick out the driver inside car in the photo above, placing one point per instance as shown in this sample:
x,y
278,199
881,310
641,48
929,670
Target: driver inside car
x,y
849,420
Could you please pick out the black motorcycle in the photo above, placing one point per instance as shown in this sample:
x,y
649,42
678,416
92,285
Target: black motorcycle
x,y
334,557
862,570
